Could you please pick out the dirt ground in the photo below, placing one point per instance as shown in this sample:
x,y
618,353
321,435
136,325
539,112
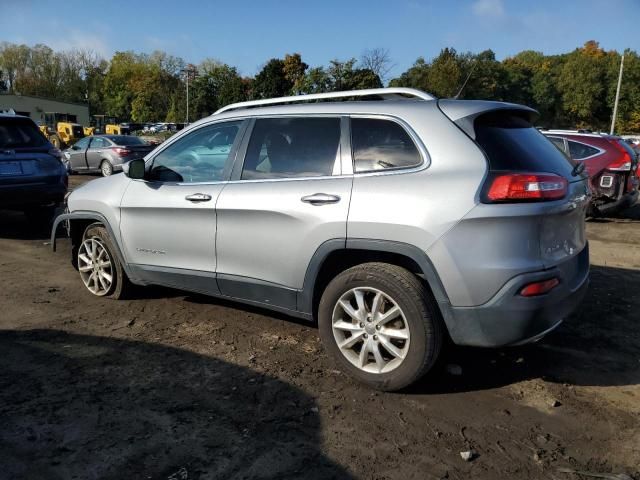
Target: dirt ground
x,y
178,386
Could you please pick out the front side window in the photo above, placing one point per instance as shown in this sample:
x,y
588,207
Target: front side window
x,y
380,144
82,144
199,156
98,142
579,150
292,147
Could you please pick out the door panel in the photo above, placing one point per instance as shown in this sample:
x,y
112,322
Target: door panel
x,y
266,231
168,220
94,153
283,203
77,158
160,227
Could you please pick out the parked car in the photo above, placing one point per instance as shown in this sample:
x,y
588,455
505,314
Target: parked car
x,y
32,177
610,162
104,153
392,223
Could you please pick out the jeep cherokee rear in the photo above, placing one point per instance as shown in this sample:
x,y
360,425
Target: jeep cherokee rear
x,y
389,222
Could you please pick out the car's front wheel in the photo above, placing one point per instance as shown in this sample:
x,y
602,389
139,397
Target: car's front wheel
x,y
99,267
381,325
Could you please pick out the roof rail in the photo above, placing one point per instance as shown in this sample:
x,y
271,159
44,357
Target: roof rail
x,y
395,92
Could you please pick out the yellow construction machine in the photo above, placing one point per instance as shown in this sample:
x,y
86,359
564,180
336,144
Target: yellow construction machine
x,y
61,129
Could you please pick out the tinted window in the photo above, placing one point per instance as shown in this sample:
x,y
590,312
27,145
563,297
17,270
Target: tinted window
x,y
381,144
292,147
127,140
512,144
18,132
98,142
83,143
579,150
200,156
558,142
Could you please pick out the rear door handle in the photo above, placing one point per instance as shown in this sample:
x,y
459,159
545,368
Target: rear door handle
x,y
320,199
198,197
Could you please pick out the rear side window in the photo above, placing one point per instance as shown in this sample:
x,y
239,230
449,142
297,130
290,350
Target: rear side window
x,y
20,133
579,150
292,147
380,144
512,144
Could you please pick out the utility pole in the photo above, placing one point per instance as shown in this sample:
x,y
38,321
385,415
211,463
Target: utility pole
x,y
615,104
188,71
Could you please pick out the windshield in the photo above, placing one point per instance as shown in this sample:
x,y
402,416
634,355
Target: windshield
x,y
19,132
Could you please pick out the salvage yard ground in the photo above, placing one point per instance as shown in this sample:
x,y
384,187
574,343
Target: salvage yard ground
x,y
179,386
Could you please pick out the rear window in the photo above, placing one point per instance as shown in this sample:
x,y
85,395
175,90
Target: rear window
x,y
512,144
127,140
580,150
20,133
380,144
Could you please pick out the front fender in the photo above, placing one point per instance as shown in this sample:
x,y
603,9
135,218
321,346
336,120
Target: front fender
x,y
88,215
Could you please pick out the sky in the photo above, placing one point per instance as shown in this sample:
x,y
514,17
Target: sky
x,y
247,33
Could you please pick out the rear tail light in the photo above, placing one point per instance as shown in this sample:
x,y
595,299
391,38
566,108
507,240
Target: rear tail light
x,y
524,187
539,288
123,152
623,162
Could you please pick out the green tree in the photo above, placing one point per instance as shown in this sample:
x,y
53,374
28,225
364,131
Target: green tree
x,y
272,81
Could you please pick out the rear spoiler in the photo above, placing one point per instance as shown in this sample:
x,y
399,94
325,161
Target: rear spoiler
x,y
464,112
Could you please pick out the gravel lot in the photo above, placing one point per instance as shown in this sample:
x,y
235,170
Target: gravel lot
x,y
180,386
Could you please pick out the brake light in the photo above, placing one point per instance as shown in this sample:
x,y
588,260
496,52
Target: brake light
x,y
525,187
623,162
539,288
123,152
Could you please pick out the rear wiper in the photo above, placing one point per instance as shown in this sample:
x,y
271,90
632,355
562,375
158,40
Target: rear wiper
x,y
577,169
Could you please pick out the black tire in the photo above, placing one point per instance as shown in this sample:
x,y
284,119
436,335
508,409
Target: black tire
x,y
419,308
106,169
55,140
120,286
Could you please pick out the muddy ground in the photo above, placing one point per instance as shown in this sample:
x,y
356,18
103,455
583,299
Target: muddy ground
x,y
178,386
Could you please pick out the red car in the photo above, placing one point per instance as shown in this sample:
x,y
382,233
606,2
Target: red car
x,y
611,163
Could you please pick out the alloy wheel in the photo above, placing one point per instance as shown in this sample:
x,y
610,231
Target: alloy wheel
x,y
370,330
95,266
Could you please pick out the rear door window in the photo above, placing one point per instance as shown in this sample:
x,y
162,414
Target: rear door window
x,y
512,144
380,144
292,147
579,151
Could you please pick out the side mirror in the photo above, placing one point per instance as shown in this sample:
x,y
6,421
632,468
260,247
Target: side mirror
x,y
134,169
75,147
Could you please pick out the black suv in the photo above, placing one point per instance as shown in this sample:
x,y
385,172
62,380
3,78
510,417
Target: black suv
x,y
32,176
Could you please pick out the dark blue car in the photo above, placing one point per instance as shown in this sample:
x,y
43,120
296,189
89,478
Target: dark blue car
x,y
32,176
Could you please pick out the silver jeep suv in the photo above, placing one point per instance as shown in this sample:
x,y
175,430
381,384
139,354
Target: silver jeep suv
x,y
393,219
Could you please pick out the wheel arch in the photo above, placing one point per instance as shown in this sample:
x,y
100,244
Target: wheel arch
x,y
337,255
76,224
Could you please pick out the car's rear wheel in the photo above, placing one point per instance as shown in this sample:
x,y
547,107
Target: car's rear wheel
x,y
381,325
106,168
99,267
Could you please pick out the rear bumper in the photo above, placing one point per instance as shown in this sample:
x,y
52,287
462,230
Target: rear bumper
x,y
31,194
510,319
625,201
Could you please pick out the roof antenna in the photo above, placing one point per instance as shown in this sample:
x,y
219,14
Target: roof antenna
x,y
467,79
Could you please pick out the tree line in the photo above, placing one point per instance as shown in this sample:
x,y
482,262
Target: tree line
x,y
570,90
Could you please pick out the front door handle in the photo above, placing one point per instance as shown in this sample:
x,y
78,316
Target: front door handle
x,y
198,197
320,199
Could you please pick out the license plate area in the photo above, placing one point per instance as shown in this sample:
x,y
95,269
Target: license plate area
x,y
10,168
